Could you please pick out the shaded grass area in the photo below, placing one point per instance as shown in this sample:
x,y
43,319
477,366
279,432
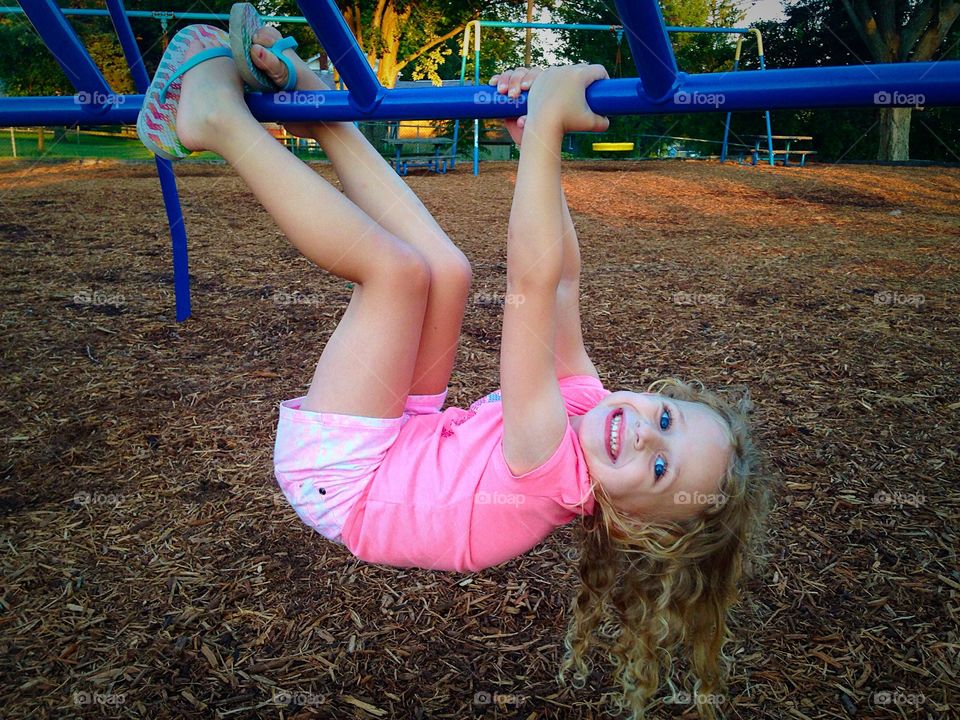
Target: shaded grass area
x,y
89,145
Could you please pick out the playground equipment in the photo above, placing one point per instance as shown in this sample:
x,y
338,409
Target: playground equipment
x,y
472,31
613,146
660,88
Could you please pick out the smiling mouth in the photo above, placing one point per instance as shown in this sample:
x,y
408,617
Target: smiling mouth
x,y
614,438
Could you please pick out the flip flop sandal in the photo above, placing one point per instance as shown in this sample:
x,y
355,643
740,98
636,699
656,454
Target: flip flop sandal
x,y
157,121
244,23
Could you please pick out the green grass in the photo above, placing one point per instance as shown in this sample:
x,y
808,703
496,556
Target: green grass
x,y
82,146
92,146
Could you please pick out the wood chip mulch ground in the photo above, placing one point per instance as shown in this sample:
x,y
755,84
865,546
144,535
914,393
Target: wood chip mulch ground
x,y
152,569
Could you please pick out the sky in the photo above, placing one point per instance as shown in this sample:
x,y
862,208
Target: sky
x,y
763,10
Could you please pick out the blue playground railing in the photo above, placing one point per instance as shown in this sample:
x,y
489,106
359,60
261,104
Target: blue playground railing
x,y
660,88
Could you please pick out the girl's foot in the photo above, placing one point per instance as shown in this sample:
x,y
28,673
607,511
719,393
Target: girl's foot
x,y
210,99
276,70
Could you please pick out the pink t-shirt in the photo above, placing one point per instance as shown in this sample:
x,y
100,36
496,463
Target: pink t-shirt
x,y
445,499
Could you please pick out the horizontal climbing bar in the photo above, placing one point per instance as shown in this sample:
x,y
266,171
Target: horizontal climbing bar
x,y
882,85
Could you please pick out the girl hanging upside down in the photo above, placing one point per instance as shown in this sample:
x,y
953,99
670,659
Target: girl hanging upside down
x,y
664,482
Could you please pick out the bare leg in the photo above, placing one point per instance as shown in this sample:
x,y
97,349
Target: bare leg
x,y
367,366
370,182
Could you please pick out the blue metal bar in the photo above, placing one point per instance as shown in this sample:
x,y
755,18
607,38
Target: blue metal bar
x,y
92,89
164,14
612,28
168,182
128,42
223,17
546,26
650,46
887,85
327,22
709,30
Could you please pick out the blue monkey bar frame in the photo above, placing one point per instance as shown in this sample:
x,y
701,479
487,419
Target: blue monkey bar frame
x,y
660,88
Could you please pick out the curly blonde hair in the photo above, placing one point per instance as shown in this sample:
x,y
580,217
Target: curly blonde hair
x,y
647,586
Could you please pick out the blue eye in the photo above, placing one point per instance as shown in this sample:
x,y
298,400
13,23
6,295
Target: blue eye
x,y
665,419
659,468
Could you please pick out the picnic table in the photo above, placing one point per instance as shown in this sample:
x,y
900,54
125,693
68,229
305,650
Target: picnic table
x,y
786,150
434,160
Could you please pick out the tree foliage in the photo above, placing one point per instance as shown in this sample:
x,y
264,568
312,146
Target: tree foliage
x,y
822,32
412,39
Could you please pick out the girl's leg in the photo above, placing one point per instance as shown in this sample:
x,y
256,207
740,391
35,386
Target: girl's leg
x,y
370,182
367,366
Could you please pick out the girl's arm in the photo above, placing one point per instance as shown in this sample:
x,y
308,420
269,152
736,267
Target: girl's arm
x,y
534,415
571,356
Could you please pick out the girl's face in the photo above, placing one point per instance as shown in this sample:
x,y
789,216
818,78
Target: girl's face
x,y
655,456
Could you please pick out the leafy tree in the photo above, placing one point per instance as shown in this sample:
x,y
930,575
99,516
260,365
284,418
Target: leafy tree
x,y
820,32
411,37
901,31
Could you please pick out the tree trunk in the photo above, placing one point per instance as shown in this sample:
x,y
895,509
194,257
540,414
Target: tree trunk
x,y
41,145
894,133
528,40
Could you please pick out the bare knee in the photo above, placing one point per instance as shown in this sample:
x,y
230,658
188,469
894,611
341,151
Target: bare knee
x,y
402,269
451,272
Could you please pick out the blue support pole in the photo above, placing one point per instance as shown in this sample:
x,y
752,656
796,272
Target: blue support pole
x,y
121,23
726,125
327,22
650,46
476,120
168,181
178,238
767,113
